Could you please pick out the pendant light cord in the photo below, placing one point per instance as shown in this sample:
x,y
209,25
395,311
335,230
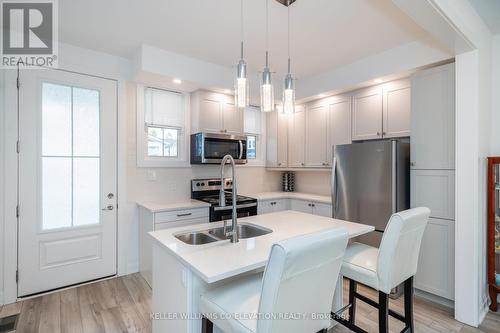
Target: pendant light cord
x,y
267,33
288,7
241,22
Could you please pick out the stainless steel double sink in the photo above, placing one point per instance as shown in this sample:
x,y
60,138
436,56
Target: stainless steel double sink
x,y
200,237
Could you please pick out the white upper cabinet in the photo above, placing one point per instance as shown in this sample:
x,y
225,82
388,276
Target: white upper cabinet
x,y
296,141
210,118
382,111
252,120
339,124
215,113
316,134
232,118
367,114
396,109
433,118
328,123
277,139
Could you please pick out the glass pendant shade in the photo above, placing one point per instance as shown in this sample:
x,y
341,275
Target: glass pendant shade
x,y
266,92
241,95
288,95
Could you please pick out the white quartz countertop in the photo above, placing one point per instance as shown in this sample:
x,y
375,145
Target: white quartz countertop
x,y
220,260
291,195
157,207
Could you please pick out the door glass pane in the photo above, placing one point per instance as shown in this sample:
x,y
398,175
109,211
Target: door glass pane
x,y
85,122
56,120
70,156
56,192
85,191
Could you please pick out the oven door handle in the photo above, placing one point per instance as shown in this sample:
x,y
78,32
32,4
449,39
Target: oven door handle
x,y
241,149
219,208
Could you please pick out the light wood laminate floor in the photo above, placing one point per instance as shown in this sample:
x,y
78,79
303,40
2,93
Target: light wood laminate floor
x,y
124,304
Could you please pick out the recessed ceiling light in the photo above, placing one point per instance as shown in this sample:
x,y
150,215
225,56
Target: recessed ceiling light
x,y
227,91
177,81
377,81
321,95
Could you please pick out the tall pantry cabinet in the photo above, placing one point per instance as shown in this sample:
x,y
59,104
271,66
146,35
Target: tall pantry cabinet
x,y
433,175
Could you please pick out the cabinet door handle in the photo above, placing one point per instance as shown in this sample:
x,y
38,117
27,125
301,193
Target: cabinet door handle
x,y
185,214
378,133
108,207
412,163
384,133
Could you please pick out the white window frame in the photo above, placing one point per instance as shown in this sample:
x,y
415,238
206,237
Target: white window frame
x,y
146,161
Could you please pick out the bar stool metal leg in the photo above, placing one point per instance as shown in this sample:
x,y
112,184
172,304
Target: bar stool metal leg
x,y
206,325
408,286
383,312
352,300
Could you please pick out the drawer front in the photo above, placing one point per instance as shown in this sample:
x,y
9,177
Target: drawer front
x,y
179,215
161,226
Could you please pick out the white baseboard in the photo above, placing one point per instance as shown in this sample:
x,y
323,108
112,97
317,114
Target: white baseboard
x,y
435,299
484,308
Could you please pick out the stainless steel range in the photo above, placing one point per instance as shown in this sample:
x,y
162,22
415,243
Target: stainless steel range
x,y
207,190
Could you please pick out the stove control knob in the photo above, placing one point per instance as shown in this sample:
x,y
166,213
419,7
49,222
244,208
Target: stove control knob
x,y
202,184
197,184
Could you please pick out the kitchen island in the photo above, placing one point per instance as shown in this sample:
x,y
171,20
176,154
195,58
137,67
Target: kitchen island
x,y
182,272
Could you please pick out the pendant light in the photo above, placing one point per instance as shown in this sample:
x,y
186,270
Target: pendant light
x,y
241,83
288,89
266,87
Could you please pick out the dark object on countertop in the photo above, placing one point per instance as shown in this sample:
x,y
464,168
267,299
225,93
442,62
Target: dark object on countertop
x,y
288,181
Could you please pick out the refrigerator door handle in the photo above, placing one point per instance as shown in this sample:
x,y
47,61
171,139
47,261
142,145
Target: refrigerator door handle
x,y
334,187
394,176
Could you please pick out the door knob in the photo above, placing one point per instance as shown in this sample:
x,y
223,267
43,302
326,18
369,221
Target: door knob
x,y
108,207
111,195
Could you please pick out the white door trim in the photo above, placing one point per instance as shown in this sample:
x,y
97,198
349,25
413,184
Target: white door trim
x,y
11,134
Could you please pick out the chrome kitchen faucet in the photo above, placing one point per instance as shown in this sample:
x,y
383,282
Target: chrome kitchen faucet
x,y
222,196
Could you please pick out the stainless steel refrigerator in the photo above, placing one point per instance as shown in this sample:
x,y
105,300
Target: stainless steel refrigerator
x,y
370,181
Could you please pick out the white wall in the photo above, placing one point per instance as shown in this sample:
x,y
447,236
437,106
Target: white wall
x,y
495,96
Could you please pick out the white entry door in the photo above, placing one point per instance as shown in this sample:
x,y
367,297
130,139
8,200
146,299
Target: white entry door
x,y
67,179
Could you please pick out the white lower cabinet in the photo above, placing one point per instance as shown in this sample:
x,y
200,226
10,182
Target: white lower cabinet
x,y
436,269
271,206
297,205
151,221
434,189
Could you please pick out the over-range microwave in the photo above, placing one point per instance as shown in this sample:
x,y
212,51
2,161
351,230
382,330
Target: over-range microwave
x,y
210,148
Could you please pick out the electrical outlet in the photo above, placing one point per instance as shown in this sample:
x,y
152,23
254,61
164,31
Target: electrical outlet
x,y
151,175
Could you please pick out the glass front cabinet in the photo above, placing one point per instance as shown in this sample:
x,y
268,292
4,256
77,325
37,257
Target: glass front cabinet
x,y
494,230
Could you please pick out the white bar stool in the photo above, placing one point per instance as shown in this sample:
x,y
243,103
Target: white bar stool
x,y
300,278
385,268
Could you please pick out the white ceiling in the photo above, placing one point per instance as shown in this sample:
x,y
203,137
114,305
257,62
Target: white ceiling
x,y
325,33
489,10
